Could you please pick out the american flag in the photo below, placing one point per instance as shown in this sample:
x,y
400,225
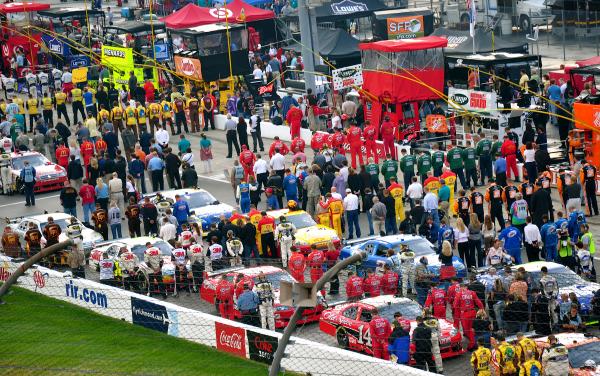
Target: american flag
x,y
472,9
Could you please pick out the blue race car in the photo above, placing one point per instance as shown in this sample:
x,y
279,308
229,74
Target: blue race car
x,y
205,207
568,281
377,248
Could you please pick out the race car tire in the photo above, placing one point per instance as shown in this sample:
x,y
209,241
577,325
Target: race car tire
x,y
342,338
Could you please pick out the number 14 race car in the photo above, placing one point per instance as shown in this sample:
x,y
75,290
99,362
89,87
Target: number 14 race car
x,y
349,323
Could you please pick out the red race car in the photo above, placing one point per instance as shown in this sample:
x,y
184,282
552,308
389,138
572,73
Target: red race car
x,y
49,176
274,275
349,323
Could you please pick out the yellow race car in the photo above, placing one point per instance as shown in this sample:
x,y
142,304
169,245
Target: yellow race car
x,y
308,232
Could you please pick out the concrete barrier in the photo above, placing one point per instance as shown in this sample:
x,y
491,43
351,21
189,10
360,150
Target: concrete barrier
x,y
225,335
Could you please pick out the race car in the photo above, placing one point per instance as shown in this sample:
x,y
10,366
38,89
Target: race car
x,y
205,207
49,176
377,249
138,246
349,323
275,276
581,348
308,232
21,224
567,280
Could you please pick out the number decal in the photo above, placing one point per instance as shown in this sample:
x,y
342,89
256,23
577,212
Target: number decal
x,y
364,336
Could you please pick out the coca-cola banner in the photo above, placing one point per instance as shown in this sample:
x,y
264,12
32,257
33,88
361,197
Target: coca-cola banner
x,y
188,67
230,339
262,347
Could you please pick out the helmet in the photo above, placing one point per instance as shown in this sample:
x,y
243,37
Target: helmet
x,y
292,204
589,363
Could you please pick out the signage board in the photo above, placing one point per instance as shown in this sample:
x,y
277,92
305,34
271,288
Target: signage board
x,y
261,347
78,61
405,27
348,7
188,67
161,52
472,100
230,339
347,77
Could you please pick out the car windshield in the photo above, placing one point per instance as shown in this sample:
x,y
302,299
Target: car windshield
x,y
34,160
139,249
63,223
578,355
299,220
409,310
420,247
276,278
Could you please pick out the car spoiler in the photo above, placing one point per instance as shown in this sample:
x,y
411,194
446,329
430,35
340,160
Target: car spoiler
x,y
224,271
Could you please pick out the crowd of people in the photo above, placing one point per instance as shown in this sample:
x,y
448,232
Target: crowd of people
x,y
468,201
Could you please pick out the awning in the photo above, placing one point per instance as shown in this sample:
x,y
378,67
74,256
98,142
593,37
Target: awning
x,y
333,44
62,13
22,7
137,27
237,11
347,9
402,45
461,42
587,62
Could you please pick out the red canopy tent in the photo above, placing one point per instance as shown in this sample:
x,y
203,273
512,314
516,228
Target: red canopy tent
x,y
236,12
22,7
587,62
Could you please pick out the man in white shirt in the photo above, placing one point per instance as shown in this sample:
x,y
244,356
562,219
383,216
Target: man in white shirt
x,y
261,171
162,137
430,204
277,164
351,209
414,191
115,188
257,73
532,240
168,231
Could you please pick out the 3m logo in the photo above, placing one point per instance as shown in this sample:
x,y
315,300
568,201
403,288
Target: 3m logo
x,y
597,119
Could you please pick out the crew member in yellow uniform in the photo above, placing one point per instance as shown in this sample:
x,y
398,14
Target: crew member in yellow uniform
x,y
336,211
116,117
397,192
131,119
322,212
449,178
32,109
506,357
21,103
531,366
60,100
47,107
154,113
166,114
3,105
103,114
525,345
77,96
480,359
140,112
255,217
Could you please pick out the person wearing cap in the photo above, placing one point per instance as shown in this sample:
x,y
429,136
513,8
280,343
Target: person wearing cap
x,y
266,228
351,209
530,366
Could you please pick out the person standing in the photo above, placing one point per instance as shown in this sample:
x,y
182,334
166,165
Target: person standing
x,y
509,152
68,199
114,219
264,288
231,135
380,330
532,240
470,162
455,160
588,178
466,302
312,187
351,209
149,215
156,167
421,338
248,303
484,152
172,164
407,166
28,177
481,359
133,218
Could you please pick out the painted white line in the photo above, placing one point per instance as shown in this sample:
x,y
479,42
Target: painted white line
x,y
23,202
219,178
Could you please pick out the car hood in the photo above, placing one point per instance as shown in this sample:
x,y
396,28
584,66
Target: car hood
x,y
315,234
212,210
51,169
87,234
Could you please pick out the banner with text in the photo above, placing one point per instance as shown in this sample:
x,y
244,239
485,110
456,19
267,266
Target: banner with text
x,y
472,100
405,27
347,77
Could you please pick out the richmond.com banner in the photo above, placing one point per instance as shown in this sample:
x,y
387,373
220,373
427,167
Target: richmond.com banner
x,y
228,336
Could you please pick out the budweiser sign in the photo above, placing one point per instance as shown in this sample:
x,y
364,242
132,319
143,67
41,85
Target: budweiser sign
x,y
230,339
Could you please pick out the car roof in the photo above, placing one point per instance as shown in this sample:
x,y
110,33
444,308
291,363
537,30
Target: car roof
x,y
171,193
284,212
44,217
385,300
535,266
24,154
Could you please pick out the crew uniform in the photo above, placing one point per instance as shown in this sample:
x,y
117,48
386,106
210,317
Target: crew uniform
x,y
100,219
47,106
493,195
264,289
266,227
33,239
462,206
407,267
588,178
433,324
477,205
60,100
195,254
480,361
129,263
11,244
153,258
179,258
5,172
284,233
77,104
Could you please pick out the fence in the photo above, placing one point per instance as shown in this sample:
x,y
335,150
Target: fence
x,y
317,345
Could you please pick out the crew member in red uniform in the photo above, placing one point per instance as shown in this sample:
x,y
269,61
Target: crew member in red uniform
x,y
390,281
297,264
509,152
298,145
266,228
437,299
388,133
466,303
381,330
240,281
247,159
355,141
278,144
453,289
354,287
62,155
101,146
336,140
224,297
371,135
294,119
372,284
316,259
318,141
87,151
